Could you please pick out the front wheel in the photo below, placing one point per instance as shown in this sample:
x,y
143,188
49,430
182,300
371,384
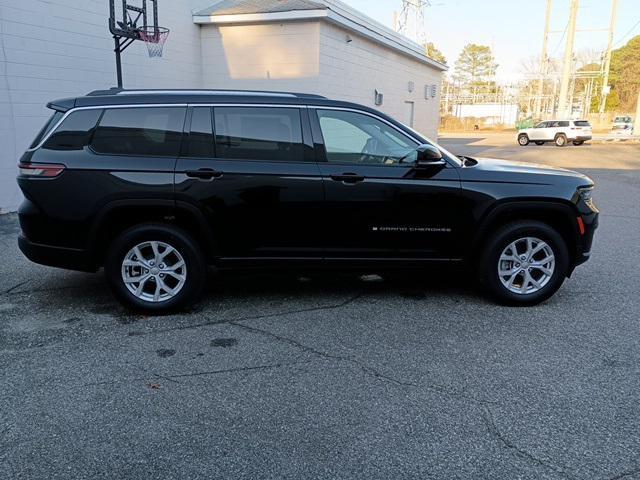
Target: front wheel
x,y
155,268
524,263
523,140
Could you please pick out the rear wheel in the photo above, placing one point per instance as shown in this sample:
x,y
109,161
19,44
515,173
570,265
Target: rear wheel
x,y
155,268
578,142
523,140
539,142
524,263
561,140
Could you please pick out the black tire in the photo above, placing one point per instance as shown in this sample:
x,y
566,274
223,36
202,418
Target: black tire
x,y
539,142
561,140
181,241
523,140
498,242
578,142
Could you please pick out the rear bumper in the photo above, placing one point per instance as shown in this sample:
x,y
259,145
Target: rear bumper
x,y
60,257
582,138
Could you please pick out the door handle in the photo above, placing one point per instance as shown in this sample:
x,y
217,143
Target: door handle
x,y
348,178
203,173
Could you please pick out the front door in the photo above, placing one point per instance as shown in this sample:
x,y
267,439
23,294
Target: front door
x,y
256,178
378,205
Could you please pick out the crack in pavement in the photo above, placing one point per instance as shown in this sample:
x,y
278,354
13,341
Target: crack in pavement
x,y
628,473
257,317
17,285
368,370
494,431
172,378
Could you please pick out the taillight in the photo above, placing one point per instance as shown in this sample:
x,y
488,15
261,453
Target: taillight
x,y
41,171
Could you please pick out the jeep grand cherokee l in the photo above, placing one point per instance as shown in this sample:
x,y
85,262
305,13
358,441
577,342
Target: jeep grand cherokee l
x,y
155,185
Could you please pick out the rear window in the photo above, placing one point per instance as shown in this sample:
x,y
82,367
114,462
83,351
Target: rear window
x,y
148,131
582,123
53,120
262,133
74,133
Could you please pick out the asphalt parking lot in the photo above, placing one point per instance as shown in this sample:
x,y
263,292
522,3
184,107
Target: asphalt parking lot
x,y
334,375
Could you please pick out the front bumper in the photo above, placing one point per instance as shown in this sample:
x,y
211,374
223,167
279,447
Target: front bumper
x,y
60,257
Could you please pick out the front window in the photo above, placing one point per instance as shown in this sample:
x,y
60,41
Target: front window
x,y
351,137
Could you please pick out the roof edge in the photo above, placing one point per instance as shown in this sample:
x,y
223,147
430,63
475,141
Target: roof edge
x,y
339,14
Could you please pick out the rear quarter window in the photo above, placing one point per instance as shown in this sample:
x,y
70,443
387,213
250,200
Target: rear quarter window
x,y
146,131
53,120
74,133
582,123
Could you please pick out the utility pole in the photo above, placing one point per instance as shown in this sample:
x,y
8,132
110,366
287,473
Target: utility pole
x,y
564,109
636,121
543,61
607,58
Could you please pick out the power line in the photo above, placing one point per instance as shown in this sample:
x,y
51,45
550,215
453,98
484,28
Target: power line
x,y
621,39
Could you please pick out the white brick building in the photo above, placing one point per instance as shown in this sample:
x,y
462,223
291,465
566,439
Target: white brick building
x,y
57,48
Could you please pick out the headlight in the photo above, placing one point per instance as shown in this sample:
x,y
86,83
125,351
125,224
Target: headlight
x,y
586,195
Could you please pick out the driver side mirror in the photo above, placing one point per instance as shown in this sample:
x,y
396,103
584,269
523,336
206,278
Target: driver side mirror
x,y
429,156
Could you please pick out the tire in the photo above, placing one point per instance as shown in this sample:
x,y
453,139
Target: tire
x,y
560,140
523,140
499,244
578,142
185,266
538,142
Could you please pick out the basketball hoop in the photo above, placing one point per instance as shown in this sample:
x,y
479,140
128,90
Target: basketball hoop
x,y
154,38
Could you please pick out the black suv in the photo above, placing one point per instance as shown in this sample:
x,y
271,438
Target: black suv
x,y
156,185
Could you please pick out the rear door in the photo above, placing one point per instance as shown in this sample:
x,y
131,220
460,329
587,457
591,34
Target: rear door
x,y
378,205
537,132
252,170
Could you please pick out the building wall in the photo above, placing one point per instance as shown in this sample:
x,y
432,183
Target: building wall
x,y
354,70
61,48
314,57
272,56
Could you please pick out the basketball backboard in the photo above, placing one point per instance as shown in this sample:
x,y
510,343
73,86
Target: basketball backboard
x,y
127,17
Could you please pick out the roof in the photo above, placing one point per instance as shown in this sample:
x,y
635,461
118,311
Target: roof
x,y
240,7
259,11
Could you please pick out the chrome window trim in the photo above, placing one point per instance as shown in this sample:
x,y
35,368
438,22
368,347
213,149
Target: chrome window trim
x,y
99,107
252,105
372,115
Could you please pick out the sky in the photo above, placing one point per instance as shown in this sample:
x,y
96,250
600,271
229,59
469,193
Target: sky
x,y
513,28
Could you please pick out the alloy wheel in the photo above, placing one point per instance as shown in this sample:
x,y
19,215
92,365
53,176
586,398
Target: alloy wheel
x,y
154,271
526,265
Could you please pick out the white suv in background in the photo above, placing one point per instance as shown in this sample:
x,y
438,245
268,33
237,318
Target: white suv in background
x,y
559,132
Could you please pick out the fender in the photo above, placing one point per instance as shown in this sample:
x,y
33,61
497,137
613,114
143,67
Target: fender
x,y
509,207
170,210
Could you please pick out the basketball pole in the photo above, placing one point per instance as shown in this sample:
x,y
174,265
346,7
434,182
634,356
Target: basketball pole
x,y
118,61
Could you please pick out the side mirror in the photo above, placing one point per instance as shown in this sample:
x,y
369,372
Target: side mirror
x,y
429,156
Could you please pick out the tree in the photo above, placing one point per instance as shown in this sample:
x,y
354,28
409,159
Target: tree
x,y
435,54
625,76
475,67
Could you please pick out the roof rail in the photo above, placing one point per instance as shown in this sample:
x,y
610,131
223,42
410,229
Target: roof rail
x,y
120,91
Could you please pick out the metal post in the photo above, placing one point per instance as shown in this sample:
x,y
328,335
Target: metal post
x,y
636,121
543,61
118,60
564,110
607,58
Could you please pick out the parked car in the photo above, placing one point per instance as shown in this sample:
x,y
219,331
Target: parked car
x,y
156,185
622,126
559,132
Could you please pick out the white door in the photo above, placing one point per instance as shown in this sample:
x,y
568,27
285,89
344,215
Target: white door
x,y
409,108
